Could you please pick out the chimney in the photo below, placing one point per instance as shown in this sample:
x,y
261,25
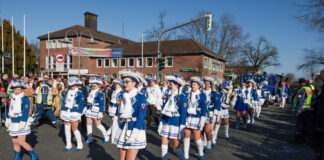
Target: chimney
x,y
90,20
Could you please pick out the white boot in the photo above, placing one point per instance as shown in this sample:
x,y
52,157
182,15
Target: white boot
x,y
67,129
164,150
186,146
79,140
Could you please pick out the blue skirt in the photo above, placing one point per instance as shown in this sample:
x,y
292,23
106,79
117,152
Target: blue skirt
x,y
241,107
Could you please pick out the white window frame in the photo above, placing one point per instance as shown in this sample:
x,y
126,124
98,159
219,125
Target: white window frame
x,y
106,66
166,61
205,62
48,44
139,59
112,63
146,64
146,75
53,44
221,69
59,43
97,60
120,64
133,62
71,42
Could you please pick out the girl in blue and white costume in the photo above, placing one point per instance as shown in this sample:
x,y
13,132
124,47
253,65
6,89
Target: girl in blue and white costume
x,y
253,89
131,131
115,97
72,108
282,95
196,116
17,117
173,116
224,103
113,107
94,110
260,102
241,100
212,111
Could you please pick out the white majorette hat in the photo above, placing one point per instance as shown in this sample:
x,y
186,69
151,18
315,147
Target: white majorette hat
x,y
95,80
73,81
175,78
40,79
209,79
251,80
132,74
118,81
227,84
17,84
197,80
152,79
264,83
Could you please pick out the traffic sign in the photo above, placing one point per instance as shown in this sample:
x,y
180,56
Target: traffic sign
x,y
59,57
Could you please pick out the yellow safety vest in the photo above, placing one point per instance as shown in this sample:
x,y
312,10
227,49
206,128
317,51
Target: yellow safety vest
x,y
49,95
307,102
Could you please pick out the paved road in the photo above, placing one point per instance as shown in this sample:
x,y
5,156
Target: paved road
x,y
267,139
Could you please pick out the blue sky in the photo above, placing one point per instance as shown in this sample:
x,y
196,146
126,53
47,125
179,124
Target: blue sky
x,y
273,19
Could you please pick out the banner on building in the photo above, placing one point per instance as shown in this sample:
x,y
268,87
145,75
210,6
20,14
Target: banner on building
x,y
96,52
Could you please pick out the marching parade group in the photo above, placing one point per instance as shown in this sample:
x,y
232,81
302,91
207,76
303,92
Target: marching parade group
x,y
178,108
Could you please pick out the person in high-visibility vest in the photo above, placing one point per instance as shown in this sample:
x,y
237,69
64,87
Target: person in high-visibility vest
x,y
302,102
44,101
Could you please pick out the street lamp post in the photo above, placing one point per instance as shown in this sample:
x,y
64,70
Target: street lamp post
x,y
79,36
159,54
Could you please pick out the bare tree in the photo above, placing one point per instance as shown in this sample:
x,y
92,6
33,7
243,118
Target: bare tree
x,y
225,37
260,55
35,47
311,13
313,58
154,33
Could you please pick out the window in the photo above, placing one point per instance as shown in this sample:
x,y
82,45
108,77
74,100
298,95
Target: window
x,y
206,62
71,61
214,65
64,45
148,75
169,62
149,61
59,43
210,63
47,44
54,62
114,62
71,42
139,62
221,65
99,63
107,62
53,44
131,62
123,62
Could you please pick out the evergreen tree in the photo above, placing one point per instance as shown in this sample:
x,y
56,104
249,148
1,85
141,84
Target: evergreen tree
x,y
31,58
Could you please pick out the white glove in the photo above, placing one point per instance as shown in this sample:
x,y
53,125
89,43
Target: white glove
x,y
22,125
160,127
202,122
30,120
100,115
8,122
233,104
181,131
84,110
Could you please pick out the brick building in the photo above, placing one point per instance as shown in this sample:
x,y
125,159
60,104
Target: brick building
x,y
186,57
